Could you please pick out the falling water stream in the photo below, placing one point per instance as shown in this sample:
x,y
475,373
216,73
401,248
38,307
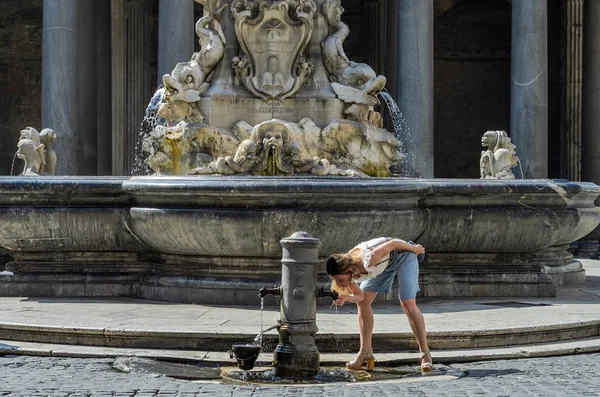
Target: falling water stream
x,y
402,132
520,168
13,164
258,340
148,124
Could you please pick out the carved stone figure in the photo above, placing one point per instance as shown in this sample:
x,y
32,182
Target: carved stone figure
x,y
273,64
497,162
272,36
47,138
190,79
275,147
352,82
174,150
31,150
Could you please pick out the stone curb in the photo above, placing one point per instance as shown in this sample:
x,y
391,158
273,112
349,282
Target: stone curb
x,y
326,342
582,346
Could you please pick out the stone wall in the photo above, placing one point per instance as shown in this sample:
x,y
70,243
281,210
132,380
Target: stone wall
x,y
472,82
20,74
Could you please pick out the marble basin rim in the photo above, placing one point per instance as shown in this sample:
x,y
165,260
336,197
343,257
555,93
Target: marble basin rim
x,y
445,215
216,239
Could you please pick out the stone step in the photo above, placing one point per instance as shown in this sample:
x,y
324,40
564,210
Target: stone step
x,y
447,356
326,342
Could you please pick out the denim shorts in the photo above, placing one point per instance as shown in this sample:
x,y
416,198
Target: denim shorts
x,y
403,265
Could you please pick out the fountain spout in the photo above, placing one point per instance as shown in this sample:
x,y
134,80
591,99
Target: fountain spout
x,y
264,291
321,293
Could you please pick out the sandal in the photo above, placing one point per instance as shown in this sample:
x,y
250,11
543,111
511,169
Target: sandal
x,y
362,358
426,365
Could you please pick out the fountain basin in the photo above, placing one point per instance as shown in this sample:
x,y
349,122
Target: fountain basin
x,y
215,239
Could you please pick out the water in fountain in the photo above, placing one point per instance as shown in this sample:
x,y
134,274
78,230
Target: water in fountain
x,y
259,337
13,164
520,168
258,340
402,132
151,120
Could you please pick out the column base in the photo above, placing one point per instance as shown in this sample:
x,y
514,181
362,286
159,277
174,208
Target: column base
x,y
558,263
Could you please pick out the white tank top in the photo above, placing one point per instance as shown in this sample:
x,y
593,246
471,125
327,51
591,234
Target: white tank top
x,y
367,249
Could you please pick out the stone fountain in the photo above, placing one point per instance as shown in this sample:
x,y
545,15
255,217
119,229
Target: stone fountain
x,y
280,130
272,93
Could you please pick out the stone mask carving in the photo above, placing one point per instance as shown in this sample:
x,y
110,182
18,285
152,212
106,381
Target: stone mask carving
x,y
497,162
274,147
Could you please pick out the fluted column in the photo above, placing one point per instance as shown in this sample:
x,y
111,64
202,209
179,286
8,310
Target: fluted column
x,y
103,83
118,14
60,79
415,84
138,74
529,85
175,34
591,92
591,100
373,38
131,81
571,116
88,95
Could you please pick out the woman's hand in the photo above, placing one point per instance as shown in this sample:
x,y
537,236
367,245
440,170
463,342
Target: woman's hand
x,y
418,249
357,296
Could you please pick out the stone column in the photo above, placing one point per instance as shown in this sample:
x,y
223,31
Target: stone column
x,y
131,80
591,99
118,15
529,86
175,34
591,91
415,84
103,84
60,79
373,38
572,69
391,48
87,125
138,79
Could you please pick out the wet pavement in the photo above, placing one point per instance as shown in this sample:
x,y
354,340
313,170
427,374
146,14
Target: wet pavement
x,y
23,376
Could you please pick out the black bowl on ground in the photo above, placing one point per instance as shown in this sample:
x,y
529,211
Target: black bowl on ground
x,y
245,355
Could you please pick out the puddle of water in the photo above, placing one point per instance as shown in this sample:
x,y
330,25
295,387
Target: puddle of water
x,y
266,375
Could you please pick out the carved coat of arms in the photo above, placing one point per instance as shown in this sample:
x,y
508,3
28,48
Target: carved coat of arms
x,y
273,39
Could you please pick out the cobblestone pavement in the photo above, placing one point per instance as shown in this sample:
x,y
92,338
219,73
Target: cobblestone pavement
x,y
70,377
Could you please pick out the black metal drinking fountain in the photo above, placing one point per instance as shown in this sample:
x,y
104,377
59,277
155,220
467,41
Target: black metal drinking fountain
x,y
296,355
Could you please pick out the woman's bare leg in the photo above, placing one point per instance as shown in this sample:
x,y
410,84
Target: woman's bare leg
x,y
366,321
417,324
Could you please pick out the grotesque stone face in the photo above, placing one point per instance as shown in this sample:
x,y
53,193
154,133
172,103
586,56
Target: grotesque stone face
x,y
273,139
47,136
26,149
489,139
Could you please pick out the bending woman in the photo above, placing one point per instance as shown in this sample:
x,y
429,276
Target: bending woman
x,y
374,264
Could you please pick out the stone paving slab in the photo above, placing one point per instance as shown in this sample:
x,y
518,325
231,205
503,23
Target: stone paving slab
x,y
24,376
473,322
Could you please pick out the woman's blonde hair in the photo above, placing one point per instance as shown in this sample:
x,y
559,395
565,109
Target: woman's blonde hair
x,y
340,264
